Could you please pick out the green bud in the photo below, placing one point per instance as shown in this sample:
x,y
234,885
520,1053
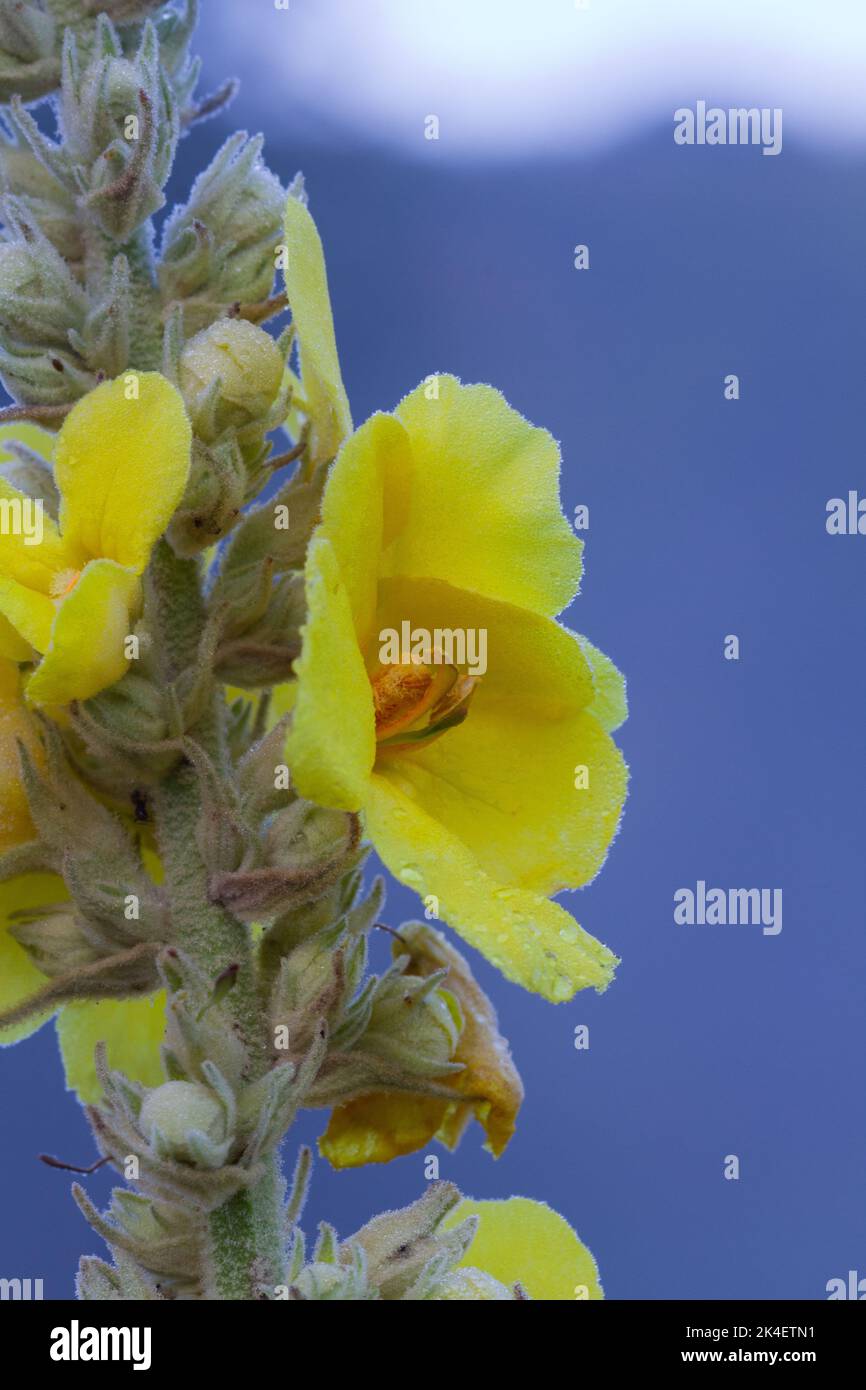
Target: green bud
x,y
238,362
325,1282
262,640
465,1285
123,732
306,850
220,249
121,125
39,299
174,1110
44,199
398,1244
414,1024
34,376
198,1027
29,62
215,494
54,942
40,304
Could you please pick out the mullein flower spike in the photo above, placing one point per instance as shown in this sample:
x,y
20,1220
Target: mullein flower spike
x,y
215,694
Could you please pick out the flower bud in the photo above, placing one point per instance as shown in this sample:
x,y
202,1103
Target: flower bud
x,y
176,1108
29,62
398,1244
306,850
221,248
215,494
414,1025
122,734
46,200
320,1281
42,311
473,1285
121,125
248,366
39,300
54,942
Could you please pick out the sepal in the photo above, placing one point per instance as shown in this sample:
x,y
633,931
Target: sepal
x,y
220,249
29,64
400,1245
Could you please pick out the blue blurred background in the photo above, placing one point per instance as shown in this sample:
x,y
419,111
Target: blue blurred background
x,y
707,517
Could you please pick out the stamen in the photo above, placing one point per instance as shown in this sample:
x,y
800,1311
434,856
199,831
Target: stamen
x,y
444,704
64,582
403,694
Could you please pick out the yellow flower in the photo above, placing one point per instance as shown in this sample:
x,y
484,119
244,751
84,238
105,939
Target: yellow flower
x,y
486,790
133,1028
121,464
382,1126
520,1241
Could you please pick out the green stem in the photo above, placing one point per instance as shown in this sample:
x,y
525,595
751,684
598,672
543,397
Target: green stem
x,y
244,1242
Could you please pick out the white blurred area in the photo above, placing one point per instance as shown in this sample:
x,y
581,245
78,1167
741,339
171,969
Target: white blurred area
x,y
509,78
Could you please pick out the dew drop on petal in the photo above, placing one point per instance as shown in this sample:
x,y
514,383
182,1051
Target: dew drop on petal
x,y
411,876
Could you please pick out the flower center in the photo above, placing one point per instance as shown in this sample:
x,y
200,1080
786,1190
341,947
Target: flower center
x,y
64,582
415,703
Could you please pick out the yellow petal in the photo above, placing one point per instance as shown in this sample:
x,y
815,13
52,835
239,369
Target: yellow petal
x,y
29,614
31,562
377,1128
133,1030
609,705
533,941
13,647
310,303
16,724
504,781
364,506
483,508
332,742
19,977
527,1242
86,652
507,790
122,467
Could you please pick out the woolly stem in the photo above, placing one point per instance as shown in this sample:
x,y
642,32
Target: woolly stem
x,y
244,1251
